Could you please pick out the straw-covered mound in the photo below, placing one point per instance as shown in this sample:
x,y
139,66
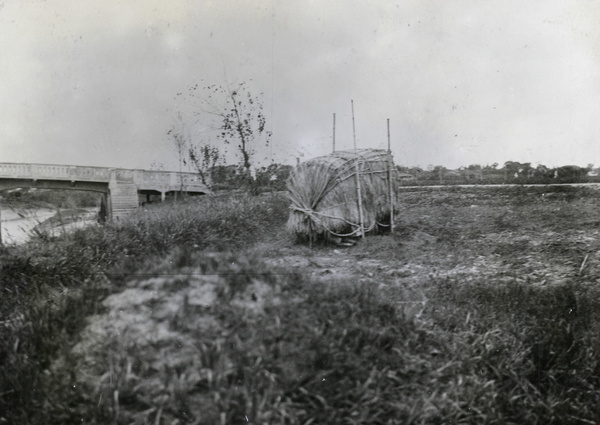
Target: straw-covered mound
x,y
324,194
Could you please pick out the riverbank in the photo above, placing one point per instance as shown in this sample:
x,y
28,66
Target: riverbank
x,y
20,223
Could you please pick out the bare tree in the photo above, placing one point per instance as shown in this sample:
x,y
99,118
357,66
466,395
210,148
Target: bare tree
x,y
241,116
181,140
204,158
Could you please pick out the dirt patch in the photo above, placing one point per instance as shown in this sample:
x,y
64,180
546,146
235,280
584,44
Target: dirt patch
x,y
167,325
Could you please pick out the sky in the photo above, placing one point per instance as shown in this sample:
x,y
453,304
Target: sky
x,y
95,82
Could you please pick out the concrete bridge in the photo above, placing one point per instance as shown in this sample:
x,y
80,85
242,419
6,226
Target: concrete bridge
x,y
120,187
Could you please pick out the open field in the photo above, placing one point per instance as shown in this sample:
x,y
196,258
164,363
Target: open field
x,y
483,308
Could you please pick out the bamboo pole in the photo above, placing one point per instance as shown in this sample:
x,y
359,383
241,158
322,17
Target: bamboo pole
x,y
333,132
360,209
390,180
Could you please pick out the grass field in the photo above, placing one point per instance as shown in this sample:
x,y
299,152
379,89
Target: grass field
x,y
482,308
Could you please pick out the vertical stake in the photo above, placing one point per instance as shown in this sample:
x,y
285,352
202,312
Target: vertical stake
x,y
360,209
390,179
333,132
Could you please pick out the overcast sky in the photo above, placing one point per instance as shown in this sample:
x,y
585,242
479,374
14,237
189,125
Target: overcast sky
x,y
94,82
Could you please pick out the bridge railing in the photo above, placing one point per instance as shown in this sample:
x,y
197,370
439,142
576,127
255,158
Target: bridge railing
x,y
169,180
157,177
47,171
89,173
15,170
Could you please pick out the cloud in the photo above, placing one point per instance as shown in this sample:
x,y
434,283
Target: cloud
x,y
465,82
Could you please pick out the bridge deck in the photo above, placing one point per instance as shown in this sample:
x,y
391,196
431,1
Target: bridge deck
x,y
161,181
120,186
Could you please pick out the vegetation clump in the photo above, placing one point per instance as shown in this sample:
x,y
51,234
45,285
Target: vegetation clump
x,y
481,309
325,194
51,284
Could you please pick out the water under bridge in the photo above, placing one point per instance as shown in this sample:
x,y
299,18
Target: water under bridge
x,y
120,187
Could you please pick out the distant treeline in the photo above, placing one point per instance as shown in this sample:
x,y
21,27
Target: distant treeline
x,y
229,177
511,173
274,177
58,198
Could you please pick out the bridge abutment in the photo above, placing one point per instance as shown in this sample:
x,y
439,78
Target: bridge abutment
x,y
120,187
123,195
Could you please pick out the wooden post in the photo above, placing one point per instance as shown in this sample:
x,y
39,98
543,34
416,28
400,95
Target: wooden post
x,y
360,210
103,213
333,132
0,220
390,178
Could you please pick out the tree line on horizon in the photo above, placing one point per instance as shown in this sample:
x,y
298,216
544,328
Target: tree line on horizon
x,y
512,172
274,176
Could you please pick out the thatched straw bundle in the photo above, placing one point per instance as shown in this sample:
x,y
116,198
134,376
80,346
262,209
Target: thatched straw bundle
x,y
324,195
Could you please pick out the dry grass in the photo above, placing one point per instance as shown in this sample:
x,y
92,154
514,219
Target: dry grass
x,y
481,309
324,195
52,283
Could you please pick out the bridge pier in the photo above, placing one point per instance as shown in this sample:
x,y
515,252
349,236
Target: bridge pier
x,y
123,193
104,213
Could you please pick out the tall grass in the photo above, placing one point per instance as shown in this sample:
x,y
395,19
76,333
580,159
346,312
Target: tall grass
x,y
51,284
203,337
272,348
523,353
336,352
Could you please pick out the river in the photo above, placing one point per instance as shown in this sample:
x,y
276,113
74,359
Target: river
x,y
19,224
